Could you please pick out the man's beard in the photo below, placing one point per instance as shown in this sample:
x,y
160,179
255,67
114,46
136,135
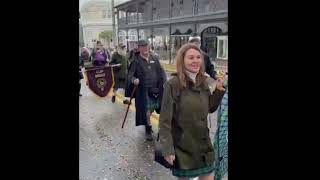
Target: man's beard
x,y
145,54
122,52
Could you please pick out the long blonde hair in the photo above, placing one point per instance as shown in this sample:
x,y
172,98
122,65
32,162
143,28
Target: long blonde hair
x,y
181,69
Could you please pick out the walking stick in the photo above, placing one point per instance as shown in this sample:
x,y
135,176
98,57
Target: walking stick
x,y
125,117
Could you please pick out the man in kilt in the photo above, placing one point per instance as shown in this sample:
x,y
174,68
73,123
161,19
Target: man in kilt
x,y
146,73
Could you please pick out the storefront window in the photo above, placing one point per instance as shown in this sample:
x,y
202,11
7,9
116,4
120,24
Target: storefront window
x,y
133,38
209,42
133,35
144,34
222,50
179,36
161,42
122,36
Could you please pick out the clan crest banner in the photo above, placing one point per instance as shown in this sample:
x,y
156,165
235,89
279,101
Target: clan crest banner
x,y
100,80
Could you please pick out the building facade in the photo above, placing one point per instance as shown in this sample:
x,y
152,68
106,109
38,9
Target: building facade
x,y
96,17
81,41
168,24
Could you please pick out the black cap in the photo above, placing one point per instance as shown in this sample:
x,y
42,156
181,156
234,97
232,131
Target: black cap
x,y
143,43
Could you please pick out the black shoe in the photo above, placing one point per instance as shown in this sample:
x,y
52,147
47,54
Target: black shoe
x,y
149,133
149,136
80,94
113,99
126,101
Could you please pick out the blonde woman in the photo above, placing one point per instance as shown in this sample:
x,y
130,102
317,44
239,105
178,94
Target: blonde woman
x,y
183,130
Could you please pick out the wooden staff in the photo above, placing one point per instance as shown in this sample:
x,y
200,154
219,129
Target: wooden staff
x,y
125,117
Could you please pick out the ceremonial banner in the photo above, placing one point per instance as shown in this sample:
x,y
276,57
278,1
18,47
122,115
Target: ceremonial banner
x,y
100,80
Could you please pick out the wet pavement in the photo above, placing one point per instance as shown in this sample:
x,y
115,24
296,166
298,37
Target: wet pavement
x,y
108,152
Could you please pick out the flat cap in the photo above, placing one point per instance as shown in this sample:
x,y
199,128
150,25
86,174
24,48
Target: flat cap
x,y
143,43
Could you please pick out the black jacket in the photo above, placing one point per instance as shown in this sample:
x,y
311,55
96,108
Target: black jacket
x,y
209,67
140,94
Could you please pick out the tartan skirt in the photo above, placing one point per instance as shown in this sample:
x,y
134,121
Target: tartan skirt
x,y
152,103
191,173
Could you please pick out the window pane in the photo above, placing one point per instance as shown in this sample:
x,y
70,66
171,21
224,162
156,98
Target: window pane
x,y
225,48
226,45
161,42
220,53
122,37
